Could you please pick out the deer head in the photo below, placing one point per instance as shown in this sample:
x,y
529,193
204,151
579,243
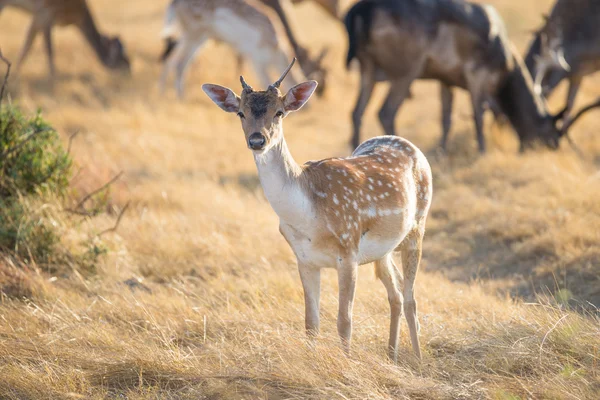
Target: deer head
x,y
555,127
261,112
116,57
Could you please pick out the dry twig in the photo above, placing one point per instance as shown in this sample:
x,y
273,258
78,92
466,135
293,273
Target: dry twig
x,y
5,76
116,226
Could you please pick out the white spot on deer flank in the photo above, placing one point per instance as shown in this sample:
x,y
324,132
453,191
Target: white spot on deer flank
x,y
335,199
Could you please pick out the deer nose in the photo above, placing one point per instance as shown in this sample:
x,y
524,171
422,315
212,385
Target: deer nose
x,y
257,141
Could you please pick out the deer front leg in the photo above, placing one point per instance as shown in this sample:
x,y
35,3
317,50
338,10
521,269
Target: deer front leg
x,y
347,273
311,282
447,100
390,276
31,34
574,84
398,91
478,117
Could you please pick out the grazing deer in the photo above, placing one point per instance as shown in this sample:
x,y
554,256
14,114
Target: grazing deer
x,y
567,46
455,42
339,212
47,13
244,27
311,68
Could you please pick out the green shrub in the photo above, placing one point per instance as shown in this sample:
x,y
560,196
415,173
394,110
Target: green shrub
x,y
26,232
32,159
34,179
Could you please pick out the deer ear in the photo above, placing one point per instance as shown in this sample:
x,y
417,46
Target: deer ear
x,y
298,95
223,97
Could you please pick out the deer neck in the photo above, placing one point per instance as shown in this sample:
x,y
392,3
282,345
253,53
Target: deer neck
x,y
280,177
93,36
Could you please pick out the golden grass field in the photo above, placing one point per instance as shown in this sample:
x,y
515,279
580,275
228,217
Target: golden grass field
x,y
512,239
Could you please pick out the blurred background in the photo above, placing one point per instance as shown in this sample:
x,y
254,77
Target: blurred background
x,y
196,294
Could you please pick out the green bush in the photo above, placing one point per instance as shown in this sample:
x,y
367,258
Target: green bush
x,y
34,177
32,159
26,233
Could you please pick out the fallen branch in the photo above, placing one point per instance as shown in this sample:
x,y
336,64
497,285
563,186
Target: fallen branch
x,y
79,207
116,226
71,141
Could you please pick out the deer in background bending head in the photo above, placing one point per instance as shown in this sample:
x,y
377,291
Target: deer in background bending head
x,y
47,13
339,212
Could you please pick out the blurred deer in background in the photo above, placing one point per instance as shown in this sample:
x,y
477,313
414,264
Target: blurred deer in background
x,y
47,13
311,68
566,47
457,43
331,6
340,212
235,22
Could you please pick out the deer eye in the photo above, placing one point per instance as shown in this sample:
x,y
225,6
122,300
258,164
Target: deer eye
x,y
241,115
279,114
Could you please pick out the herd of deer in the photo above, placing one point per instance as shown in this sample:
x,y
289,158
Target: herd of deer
x,y
458,43
345,212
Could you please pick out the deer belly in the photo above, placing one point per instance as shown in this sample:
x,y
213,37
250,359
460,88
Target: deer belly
x,y
308,250
373,247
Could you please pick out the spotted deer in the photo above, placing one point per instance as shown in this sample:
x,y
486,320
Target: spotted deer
x,y
567,46
235,22
339,212
48,13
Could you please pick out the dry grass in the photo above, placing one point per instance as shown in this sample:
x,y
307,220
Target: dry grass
x,y
223,317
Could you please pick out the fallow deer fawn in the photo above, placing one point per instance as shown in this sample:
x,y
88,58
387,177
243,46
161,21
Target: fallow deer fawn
x,y
339,212
47,13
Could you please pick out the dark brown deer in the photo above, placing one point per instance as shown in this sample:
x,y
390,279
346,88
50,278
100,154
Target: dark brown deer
x,y
566,47
47,13
457,43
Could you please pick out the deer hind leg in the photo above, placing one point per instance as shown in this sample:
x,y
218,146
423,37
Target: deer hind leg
x,y
367,83
390,276
398,91
447,100
347,274
32,32
411,258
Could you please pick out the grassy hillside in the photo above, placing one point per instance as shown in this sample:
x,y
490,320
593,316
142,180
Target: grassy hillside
x,y
213,307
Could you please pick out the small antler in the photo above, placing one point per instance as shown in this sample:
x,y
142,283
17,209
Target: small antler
x,y
278,82
245,86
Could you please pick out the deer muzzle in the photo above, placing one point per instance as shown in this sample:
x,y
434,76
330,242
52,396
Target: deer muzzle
x,y
257,141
